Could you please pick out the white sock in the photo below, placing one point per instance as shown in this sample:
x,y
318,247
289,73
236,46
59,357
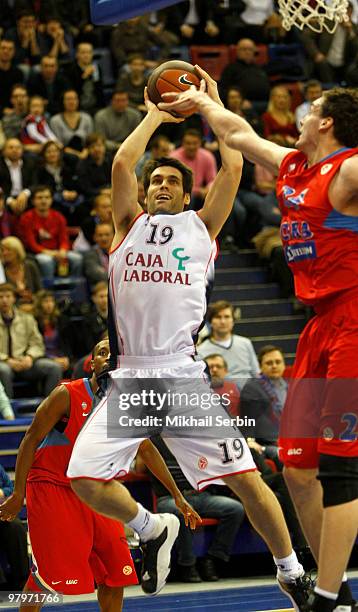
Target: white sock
x,y
289,568
345,577
145,524
326,594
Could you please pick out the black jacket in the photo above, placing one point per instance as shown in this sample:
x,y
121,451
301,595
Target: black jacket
x,y
28,171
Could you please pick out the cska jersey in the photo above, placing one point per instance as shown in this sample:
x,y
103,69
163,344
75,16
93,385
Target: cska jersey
x,y
320,243
157,281
53,454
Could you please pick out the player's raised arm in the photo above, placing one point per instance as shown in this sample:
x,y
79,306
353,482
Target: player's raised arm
x,y
234,130
220,198
125,206
50,411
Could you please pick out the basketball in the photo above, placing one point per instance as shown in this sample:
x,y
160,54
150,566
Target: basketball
x,y
172,76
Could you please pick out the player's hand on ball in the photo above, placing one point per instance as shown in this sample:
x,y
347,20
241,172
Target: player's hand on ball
x,y
153,108
211,85
182,101
191,517
11,507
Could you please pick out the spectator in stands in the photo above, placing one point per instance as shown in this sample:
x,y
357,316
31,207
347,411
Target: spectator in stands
x,y
22,348
134,81
94,172
245,74
7,218
269,246
25,37
200,161
230,513
97,318
53,329
218,374
263,398
13,117
312,91
76,17
279,120
330,54
35,129
13,542
257,18
56,171
72,126
54,41
236,103
101,213
44,233
237,351
6,411
95,261
17,174
160,146
10,75
48,83
84,75
20,271
117,121
135,36
194,21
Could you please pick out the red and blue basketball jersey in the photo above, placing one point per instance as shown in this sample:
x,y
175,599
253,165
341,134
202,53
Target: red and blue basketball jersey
x,y
320,243
53,454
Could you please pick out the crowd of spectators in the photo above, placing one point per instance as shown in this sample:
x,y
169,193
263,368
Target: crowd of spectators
x,y
70,94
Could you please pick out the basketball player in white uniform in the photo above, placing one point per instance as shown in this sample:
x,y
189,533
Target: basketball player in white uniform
x,y
157,273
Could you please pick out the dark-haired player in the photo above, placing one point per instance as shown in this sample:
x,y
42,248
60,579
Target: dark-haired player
x,y
157,273
317,187
72,547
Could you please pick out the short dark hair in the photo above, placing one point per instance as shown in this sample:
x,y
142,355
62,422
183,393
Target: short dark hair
x,y
119,90
38,188
93,137
95,348
193,132
217,307
268,348
311,83
342,105
153,164
4,287
214,356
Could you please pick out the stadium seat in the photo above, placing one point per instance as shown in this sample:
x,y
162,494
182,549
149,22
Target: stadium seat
x,y
102,57
212,59
179,53
72,287
288,61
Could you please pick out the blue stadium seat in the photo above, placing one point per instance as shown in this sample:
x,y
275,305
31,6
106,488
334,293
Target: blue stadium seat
x,y
73,287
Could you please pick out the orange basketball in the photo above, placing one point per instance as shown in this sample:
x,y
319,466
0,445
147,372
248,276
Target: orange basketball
x,y
172,76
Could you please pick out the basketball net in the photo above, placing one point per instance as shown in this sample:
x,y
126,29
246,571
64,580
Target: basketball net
x,y
315,14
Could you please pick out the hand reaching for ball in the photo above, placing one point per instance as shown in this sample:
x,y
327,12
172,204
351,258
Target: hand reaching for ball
x,y
152,108
181,101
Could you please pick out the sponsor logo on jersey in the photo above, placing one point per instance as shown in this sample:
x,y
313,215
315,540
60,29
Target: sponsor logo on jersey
x,y
84,405
180,258
299,251
295,451
56,581
202,463
295,230
183,79
291,167
85,413
149,267
328,434
71,581
292,198
127,570
326,168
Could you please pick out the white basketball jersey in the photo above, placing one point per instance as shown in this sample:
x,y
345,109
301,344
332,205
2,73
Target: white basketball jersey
x,y
157,278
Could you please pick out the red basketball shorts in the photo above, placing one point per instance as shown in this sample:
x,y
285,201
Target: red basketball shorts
x,y
72,546
321,410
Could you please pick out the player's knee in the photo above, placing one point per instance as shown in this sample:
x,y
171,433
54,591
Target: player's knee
x,y
87,490
299,479
248,486
339,479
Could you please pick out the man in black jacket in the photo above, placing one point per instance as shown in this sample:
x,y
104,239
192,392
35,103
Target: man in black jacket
x,y
246,74
49,84
17,174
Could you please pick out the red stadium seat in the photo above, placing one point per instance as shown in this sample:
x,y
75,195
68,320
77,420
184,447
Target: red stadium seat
x,y
212,59
271,464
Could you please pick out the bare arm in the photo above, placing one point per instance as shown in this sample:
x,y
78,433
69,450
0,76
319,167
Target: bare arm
x,y
234,130
50,411
125,206
220,198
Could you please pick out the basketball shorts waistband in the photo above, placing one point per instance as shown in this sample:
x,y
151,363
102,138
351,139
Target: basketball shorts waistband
x,y
159,361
